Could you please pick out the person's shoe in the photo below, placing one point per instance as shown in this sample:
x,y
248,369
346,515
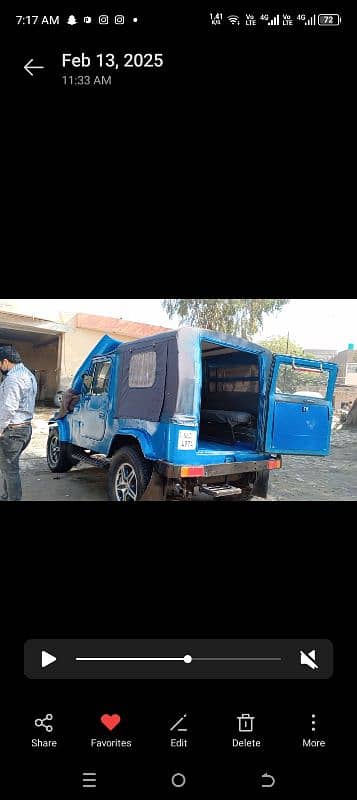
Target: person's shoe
x,y
4,497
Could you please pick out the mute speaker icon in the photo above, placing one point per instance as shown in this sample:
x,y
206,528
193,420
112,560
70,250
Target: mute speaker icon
x,y
309,659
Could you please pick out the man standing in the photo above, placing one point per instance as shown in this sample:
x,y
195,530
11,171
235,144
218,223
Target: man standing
x,y
17,402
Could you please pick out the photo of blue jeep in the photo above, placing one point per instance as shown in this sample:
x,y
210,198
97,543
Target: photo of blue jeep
x,y
190,411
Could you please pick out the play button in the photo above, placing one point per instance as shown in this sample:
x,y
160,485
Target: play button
x,y
46,658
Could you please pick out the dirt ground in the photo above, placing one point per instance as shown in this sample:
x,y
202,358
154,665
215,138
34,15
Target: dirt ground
x,y
301,477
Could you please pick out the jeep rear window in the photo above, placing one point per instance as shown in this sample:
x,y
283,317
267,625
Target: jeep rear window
x,y
142,370
292,379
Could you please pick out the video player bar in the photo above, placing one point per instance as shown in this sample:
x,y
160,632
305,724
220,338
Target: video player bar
x,y
220,659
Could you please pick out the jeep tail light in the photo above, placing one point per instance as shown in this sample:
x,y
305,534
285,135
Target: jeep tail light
x,y
192,472
274,463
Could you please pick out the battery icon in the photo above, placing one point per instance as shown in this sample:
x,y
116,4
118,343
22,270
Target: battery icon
x,y
329,19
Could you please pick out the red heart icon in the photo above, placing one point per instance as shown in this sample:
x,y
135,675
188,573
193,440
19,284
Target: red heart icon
x,y
110,721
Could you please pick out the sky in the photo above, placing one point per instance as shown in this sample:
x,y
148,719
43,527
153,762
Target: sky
x,y
330,324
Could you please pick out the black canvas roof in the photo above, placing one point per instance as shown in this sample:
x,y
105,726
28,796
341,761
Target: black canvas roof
x,y
187,334
175,378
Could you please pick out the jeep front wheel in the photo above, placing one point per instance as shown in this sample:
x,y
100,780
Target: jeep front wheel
x,y
129,475
58,458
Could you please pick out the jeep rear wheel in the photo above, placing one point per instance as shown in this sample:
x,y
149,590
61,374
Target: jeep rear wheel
x,y
129,475
58,457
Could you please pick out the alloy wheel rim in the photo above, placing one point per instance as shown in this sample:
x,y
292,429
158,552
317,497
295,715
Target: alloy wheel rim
x,y
54,450
126,484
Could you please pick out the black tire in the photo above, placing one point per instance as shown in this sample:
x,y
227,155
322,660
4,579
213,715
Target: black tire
x,y
58,456
128,477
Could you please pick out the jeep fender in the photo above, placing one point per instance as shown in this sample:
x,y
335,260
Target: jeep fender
x,y
62,426
143,440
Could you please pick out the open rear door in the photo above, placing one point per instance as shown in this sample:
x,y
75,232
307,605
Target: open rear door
x,y
300,422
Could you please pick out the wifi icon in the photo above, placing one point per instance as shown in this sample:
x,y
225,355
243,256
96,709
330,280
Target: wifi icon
x,y
233,19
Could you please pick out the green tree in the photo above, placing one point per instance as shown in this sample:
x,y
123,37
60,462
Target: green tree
x,y
290,380
282,344
242,317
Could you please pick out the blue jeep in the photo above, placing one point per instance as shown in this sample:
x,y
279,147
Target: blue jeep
x,y
190,411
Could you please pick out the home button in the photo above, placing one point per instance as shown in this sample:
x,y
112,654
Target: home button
x,y
178,780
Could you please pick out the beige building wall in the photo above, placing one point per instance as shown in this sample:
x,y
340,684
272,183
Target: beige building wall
x,y
76,345
351,378
347,361
344,394
57,361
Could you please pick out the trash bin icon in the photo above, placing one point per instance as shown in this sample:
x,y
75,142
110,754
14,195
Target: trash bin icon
x,y
245,723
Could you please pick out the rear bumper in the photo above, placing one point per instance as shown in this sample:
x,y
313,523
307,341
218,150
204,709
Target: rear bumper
x,y
212,470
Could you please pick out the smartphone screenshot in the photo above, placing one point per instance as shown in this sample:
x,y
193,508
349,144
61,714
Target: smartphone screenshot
x,y
179,148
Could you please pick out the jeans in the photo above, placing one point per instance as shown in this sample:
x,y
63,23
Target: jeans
x,y
12,443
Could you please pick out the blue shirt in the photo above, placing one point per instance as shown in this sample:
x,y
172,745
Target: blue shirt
x,y
17,396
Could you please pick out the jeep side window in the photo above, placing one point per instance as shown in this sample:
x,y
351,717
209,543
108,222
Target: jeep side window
x,y
101,377
142,370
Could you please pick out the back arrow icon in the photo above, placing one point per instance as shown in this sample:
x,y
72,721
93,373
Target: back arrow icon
x,y
29,66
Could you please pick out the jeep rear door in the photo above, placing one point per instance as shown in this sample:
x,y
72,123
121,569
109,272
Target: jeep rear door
x,y
299,423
